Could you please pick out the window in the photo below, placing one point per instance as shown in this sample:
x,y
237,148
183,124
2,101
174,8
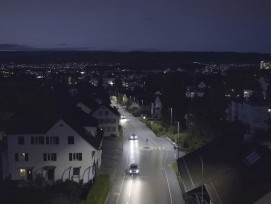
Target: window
x,y
37,140
76,171
21,156
52,140
22,172
49,157
75,156
70,139
20,140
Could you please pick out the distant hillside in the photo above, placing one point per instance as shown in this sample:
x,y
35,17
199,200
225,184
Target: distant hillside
x,y
132,59
14,47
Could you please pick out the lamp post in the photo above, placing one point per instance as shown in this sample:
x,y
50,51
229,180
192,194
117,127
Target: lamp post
x,y
171,116
178,125
201,175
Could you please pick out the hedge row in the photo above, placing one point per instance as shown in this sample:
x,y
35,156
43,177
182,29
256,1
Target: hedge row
x,y
98,193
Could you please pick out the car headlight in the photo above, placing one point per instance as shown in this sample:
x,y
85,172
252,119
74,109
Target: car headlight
x,y
137,171
130,171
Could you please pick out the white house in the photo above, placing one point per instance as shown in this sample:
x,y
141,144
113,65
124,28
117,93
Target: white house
x,y
52,147
108,119
107,116
254,114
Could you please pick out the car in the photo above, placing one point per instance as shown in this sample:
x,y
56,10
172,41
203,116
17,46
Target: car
x,y
133,136
133,169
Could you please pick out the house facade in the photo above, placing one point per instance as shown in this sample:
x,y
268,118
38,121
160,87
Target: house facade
x,y
108,119
61,151
254,114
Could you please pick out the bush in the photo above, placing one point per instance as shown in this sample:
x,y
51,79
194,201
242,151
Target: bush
x,y
98,193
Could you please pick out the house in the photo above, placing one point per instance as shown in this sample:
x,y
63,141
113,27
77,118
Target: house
x,y
157,105
254,114
225,171
196,91
108,118
51,147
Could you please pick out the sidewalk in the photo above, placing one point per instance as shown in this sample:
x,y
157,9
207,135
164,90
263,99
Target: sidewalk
x,y
111,156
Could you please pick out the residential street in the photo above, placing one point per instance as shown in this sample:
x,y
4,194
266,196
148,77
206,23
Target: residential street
x,y
156,181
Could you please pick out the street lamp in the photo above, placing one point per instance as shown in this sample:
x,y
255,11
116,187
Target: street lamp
x,y
201,175
178,127
170,115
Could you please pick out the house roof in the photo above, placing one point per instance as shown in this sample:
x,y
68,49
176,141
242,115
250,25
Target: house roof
x,y
31,122
40,122
113,110
226,176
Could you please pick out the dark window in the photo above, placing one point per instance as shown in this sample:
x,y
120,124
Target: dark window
x,y
49,157
51,140
70,139
16,156
47,140
44,157
41,140
20,139
26,156
76,171
57,140
79,156
75,156
53,157
32,140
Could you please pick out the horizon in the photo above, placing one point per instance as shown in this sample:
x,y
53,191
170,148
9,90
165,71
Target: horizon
x,y
23,48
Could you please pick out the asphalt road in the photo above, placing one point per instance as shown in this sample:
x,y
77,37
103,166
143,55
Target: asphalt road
x,y
156,182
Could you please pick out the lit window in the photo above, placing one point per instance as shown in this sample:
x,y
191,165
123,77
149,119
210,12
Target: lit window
x,y
22,172
269,110
21,156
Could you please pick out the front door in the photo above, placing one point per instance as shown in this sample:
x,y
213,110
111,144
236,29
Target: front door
x,y
51,174
29,175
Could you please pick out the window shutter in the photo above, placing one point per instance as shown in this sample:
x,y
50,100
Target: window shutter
x,y
70,156
26,156
16,156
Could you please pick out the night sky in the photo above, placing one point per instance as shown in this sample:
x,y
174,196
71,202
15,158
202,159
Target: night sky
x,y
126,25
